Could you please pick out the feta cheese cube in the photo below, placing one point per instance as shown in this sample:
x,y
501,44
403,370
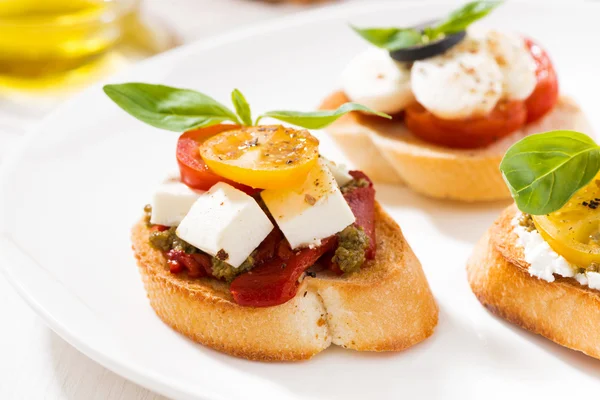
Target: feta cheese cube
x,y
171,201
339,171
225,223
314,211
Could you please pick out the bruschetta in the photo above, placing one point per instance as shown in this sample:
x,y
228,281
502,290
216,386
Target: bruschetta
x,y
538,265
459,99
262,248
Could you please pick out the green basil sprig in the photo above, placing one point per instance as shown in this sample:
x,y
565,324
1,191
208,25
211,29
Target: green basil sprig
x,y
242,108
169,108
180,110
318,119
544,171
458,20
390,38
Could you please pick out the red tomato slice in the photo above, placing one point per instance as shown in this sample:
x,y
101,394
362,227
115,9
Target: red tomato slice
x,y
505,118
276,281
194,172
545,95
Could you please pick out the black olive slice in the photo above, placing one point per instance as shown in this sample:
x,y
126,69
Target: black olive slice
x,y
428,50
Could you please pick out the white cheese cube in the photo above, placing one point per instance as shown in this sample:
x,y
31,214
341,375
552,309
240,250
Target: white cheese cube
x,y
314,211
339,171
171,202
225,223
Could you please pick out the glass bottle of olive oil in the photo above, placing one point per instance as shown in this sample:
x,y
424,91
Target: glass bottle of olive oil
x,y
41,37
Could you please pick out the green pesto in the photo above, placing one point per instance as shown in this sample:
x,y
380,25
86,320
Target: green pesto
x,y
168,240
526,222
354,184
350,254
225,271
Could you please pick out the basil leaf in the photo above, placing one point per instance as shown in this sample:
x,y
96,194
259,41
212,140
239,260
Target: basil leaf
x,y
460,19
242,108
544,171
169,108
390,38
318,119
400,38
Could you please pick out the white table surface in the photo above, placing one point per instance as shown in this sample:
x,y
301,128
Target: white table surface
x,y
35,363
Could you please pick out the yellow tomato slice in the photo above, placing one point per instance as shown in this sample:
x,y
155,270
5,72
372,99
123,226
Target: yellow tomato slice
x,y
574,230
265,157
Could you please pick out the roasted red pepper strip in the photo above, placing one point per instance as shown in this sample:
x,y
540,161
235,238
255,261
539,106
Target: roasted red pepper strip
x,y
197,265
200,264
266,250
362,203
205,262
276,281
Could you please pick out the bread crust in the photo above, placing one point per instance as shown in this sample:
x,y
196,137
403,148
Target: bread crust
x,y
387,306
563,311
389,153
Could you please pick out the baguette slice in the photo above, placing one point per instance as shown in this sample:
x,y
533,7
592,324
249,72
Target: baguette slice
x,y
389,153
563,311
387,306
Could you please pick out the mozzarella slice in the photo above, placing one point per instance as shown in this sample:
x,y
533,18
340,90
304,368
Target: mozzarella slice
x,y
457,84
515,61
225,223
339,171
375,80
171,201
311,212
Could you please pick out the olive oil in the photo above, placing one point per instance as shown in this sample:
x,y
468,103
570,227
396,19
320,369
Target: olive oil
x,y
41,37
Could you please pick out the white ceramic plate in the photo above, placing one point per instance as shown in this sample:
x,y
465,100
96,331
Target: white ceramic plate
x,y
70,195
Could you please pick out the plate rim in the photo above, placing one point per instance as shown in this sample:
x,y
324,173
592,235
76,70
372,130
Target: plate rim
x,y
154,382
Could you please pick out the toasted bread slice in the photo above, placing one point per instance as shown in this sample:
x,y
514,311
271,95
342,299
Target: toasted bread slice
x,y
563,311
387,306
388,152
